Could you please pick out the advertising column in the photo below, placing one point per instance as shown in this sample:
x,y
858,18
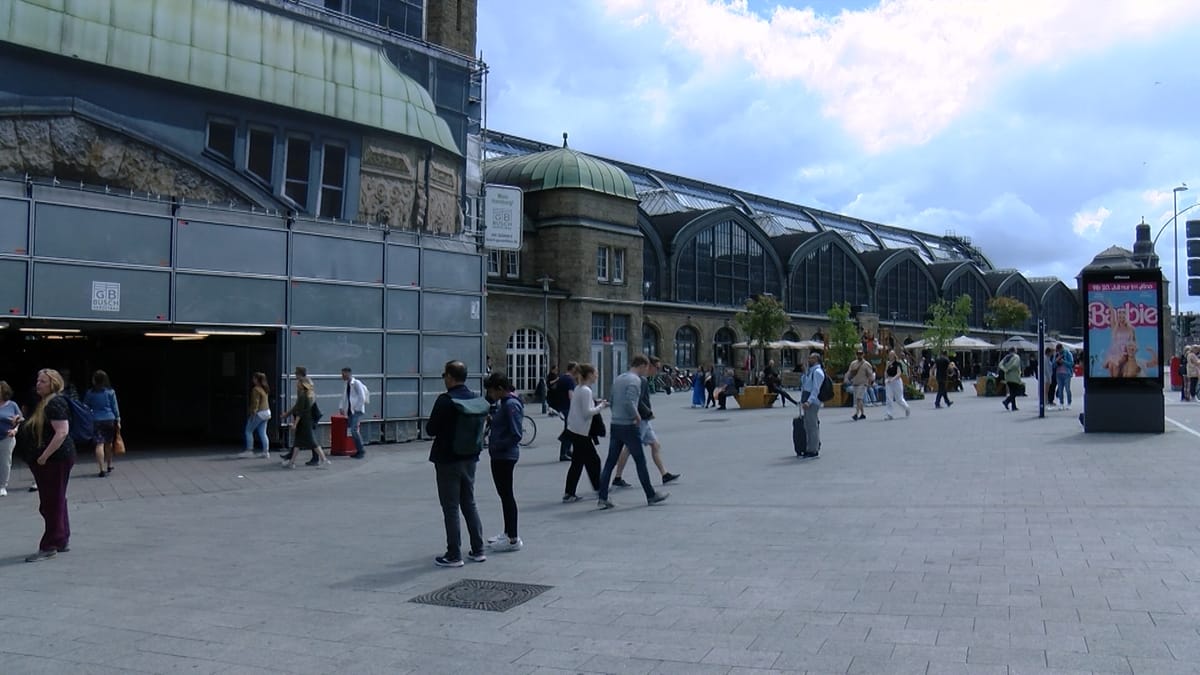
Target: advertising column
x,y
1123,375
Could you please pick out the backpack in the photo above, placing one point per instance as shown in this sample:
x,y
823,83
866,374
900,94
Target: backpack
x,y
82,422
315,413
468,424
826,391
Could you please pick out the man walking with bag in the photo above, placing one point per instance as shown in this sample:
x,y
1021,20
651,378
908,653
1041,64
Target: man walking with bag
x,y
354,404
1010,366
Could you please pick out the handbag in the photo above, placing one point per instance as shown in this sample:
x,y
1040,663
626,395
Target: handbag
x,y
264,414
597,430
118,442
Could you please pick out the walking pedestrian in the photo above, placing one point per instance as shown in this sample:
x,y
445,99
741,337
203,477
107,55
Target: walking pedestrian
x,y
107,416
259,414
941,371
1010,368
579,425
504,447
10,418
354,406
624,431
698,388
646,431
810,403
1048,374
862,375
1193,369
1064,368
710,387
455,471
565,387
302,426
894,381
46,446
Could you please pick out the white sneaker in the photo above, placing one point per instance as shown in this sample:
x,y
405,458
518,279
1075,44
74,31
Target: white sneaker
x,y
245,454
498,538
3,492
263,455
505,545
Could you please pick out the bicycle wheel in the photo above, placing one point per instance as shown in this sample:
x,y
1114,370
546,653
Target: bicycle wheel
x,y
528,431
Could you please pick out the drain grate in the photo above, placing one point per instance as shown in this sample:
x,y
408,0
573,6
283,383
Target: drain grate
x,y
491,596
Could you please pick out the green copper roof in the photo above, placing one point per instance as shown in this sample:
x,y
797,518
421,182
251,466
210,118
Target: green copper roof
x,y
234,48
559,168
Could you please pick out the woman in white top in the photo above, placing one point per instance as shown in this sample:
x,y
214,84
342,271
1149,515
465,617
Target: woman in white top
x,y
579,425
894,379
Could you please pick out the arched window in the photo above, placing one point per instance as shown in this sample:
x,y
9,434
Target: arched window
x,y
649,340
724,265
825,277
685,347
1060,310
970,285
723,341
905,290
650,276
525,359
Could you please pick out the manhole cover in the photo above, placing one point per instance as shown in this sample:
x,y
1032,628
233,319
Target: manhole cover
x,y
491,596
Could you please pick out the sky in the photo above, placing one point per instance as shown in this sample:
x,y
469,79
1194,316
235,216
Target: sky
x,y
1044,130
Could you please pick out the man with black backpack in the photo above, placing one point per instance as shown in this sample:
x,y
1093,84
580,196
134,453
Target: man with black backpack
x,y
456,424
815,389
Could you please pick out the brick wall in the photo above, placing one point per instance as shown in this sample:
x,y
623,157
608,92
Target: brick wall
x,y
451,24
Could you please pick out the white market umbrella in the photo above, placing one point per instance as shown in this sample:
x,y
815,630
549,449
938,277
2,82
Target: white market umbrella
x,y
1020,343
963,343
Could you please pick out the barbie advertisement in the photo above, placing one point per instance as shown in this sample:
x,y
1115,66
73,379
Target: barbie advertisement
x,y
1123,329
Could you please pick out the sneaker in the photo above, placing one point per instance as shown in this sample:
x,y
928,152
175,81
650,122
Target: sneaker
x,y
477,556
3,492
245,454
447,561
658,497
288,465
605,505
498,538
262,455
571,499
907,412
668,477
41,555
620,482
358,455
506,545
888,417
950,403
312,462
326,464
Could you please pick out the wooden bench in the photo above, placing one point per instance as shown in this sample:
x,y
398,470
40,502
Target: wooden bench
x,y
755,397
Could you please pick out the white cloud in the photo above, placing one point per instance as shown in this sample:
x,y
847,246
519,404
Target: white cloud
x,y
1089,222
900,73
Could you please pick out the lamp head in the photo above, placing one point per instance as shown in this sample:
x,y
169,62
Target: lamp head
x,y
1181,188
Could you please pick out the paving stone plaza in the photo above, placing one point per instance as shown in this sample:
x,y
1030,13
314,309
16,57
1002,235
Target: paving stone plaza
x,y
961,540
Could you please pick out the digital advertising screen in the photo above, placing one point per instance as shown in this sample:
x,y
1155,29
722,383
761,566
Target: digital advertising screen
x,y
1123,329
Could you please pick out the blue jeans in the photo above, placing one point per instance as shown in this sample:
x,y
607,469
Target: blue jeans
x,y
352,425
627,436
256,426
1064,386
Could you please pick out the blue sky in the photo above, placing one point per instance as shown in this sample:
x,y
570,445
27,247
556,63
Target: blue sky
x,y
1045,130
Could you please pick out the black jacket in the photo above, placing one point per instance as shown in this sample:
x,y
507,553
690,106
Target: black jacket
x,y
441,423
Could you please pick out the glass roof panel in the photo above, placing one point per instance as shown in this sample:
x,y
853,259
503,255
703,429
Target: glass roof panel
x,y
659,202
835,222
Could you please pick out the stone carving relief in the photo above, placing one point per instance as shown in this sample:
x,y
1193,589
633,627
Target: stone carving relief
x,y
392,188
73,149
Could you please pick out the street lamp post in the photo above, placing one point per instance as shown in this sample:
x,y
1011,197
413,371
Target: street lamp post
x,y
1175,226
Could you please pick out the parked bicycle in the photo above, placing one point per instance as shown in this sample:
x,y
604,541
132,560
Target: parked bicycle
x,y
528,430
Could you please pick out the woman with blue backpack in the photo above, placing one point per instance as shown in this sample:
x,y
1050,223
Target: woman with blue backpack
x,y
102,400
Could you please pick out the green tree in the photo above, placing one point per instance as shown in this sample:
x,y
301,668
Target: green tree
x,y
947,320
1005,312
843,340
762,321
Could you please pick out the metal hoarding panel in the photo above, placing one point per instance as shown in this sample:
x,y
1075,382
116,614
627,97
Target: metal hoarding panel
x,y
403,266
318,257
402,398
451,271
443,312
100,293
12,287
403,310
230,248
403,354
229,300
329,351
442,348
333,305
14,226
103,236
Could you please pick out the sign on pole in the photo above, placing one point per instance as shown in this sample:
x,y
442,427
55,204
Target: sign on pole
x,y
502,217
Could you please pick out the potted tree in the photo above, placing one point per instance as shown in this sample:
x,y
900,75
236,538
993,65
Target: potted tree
x,y
762,321
947,320
1006,313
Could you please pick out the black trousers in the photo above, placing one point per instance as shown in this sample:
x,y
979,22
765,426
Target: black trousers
x,y
941,394
584,456
1013,390
783,395
502,476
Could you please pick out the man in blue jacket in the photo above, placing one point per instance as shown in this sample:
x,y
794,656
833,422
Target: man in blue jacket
x,y
455,472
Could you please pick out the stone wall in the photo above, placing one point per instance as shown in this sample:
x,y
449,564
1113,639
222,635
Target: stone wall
x,y
451,24
392,187
72,149
568,203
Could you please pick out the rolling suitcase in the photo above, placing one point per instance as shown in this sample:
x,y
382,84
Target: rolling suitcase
x,y
799,437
